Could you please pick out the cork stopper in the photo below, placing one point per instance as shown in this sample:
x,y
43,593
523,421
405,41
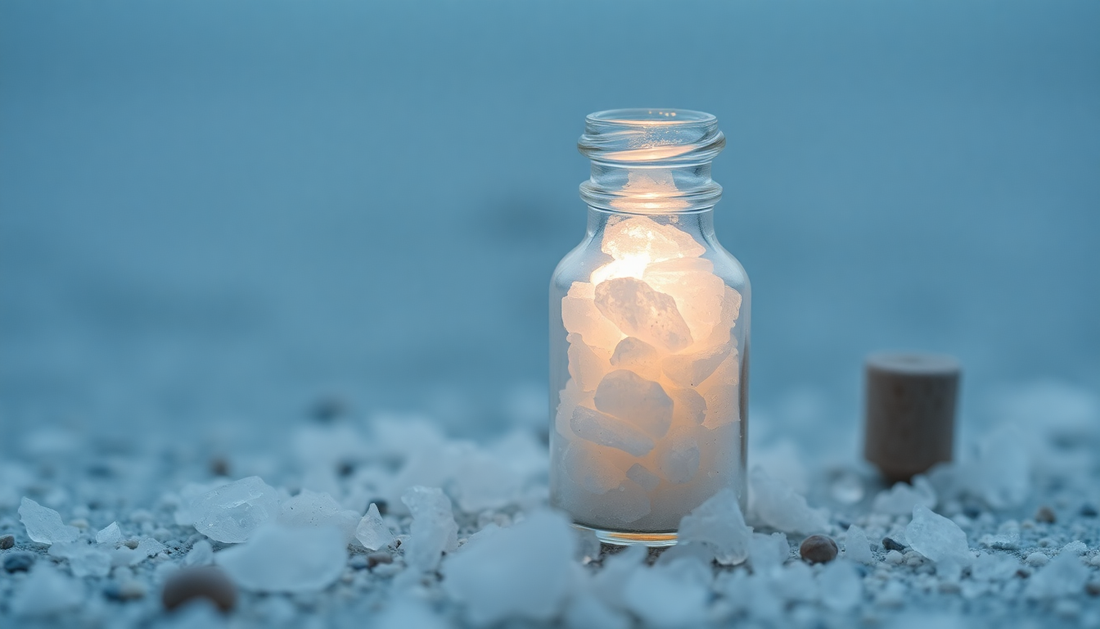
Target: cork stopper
x,y
909,423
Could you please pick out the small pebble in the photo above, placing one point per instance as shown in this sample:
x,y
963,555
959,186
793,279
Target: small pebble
x,y
889,544
894,557
18,562
1045,515
7,542
132,544
131,590
199,582
1089,511
1037,559
1093,588
328,408
219,466
818,549
375,559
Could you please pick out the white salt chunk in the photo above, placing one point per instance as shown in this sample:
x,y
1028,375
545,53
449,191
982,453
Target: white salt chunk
x,y
937,537
719,523
372,531
840,586
608,431
638,356
84,560
641,403
1065,575
591,467
902,497
433,529
201,554
586,366
994,567
856,546
46,592
768,551
1037,559
679,457
524,571
310,508
231,513
278,558
44,525
109,535
126,556
581,316
777,505
639,311
688,407
1076,547
609,583
670,595
187,495
641,236
698,292
647,479
691,370
795,583
625,504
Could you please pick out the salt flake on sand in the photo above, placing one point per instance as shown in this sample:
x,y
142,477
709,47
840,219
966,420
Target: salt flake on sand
x,y
937,538
719,523
44,525
777,505
311,509
231,513
433,529
524,571
372,532
282,559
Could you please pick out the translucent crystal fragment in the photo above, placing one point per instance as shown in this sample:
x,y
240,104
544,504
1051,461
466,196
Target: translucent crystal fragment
x,y
586,366
679,456
719,523
688,407
44,525
640,236
231,513
372,531
283,559
697,290
641,475
642,403
637,356
569,398
690,370
937,537
608,431
639,311
581,316
433,529
591,467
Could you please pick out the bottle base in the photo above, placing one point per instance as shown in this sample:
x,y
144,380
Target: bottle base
x,y
658,539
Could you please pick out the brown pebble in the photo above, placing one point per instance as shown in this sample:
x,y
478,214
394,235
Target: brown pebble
x,y
1045,514
818,549
219,466
1093,588
200,582
132,544
7,542
374,559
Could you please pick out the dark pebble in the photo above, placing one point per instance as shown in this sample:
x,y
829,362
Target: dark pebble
x,y
889,544
1093,588
190,583
345,469
375,559
1089,511
1046,515
219,466
971,510
327,409
18,562
122,594
818,549
7,542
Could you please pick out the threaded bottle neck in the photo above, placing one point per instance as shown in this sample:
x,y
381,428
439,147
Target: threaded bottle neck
x,y
651,161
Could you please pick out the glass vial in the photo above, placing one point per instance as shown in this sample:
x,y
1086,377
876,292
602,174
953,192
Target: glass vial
x,y
649,334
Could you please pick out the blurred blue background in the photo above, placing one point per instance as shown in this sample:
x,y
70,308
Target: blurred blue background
x,y
215,212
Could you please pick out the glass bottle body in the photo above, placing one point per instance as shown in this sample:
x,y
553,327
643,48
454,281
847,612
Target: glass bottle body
x,y
649,350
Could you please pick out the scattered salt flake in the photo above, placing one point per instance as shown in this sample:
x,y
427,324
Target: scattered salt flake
x,y
84,560
768,551
777,505
524,571
201,554
311,509
1065,575
670,595
282,559
126,556
372,532
44,525
719,523
902,497
1007,537
109,535
232,512
994,567
46,592
433,529
937,537
1037,559
856,546
840,586
587,611
1076,547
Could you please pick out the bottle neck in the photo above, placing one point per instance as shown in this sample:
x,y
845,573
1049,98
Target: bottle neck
x,y
651,189
698,223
